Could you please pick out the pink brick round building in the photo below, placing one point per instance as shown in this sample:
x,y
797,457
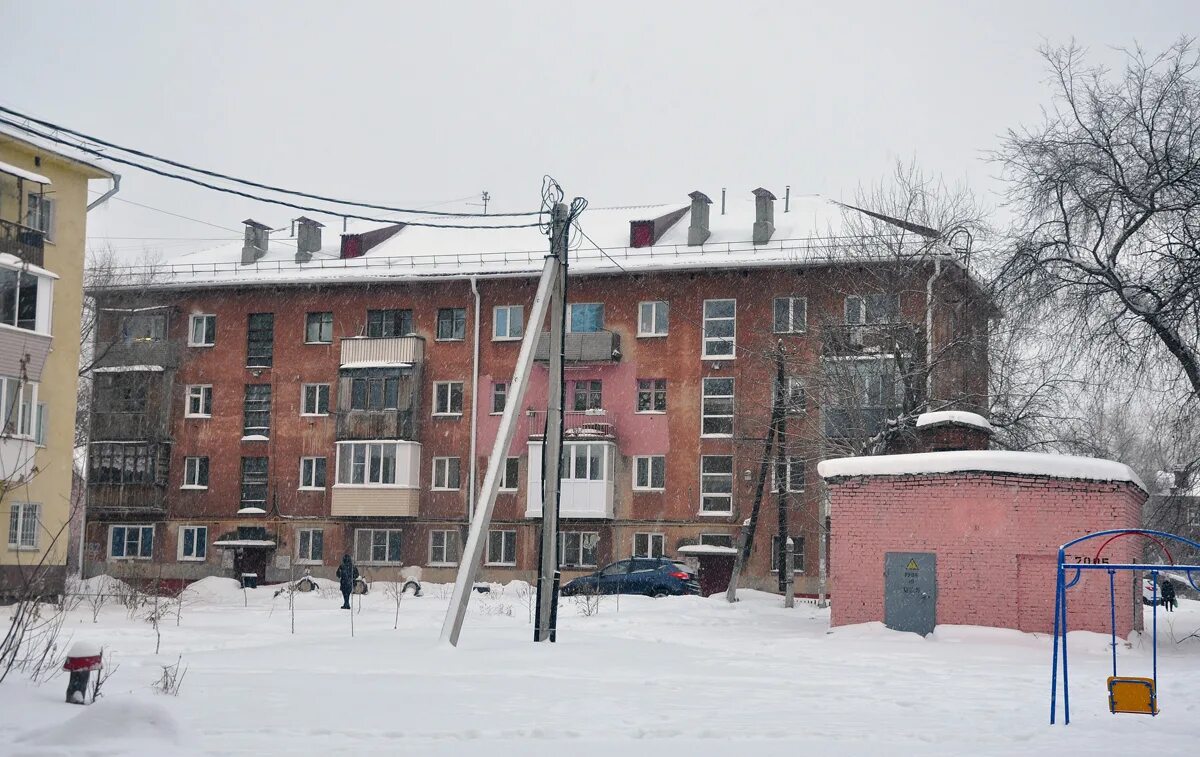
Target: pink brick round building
x,y
993,522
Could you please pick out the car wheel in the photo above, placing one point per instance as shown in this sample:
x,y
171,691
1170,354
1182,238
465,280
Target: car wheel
x,y
660,593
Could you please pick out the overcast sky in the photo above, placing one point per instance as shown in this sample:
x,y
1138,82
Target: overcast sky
x,y
623,102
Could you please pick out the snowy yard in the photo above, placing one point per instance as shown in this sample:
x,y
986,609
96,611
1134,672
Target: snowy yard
x,y
677,676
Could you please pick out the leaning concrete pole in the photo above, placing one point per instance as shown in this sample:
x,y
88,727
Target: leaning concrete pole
x,y
552,461
468,569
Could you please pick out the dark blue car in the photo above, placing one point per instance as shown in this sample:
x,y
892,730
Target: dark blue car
x,y
648,576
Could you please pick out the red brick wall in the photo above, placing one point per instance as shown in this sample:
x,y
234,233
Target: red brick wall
x,y
996,537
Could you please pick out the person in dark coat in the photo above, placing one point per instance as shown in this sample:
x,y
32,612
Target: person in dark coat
x,y
1168,595
347,574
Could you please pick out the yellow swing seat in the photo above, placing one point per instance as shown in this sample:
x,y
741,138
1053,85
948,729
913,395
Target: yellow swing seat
x,y
1133,695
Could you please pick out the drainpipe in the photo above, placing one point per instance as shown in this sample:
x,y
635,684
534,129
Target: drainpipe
x,y
474,404
116,187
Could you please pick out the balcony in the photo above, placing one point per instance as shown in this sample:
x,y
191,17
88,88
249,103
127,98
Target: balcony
x,y
25,243
585,347
587,487
127,478
18,344
16,458
134,353
377,480
872,339
382,352
592,424
375,424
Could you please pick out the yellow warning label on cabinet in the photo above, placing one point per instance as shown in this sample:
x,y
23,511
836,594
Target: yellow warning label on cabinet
x,y
912,565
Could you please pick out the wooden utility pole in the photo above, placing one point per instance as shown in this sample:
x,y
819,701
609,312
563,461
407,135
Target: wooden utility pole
x,y
547,586
782,477
746,543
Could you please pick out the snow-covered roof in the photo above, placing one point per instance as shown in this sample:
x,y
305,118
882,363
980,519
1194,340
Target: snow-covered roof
x,y
21,173
808,234
960,417
251,511
990,461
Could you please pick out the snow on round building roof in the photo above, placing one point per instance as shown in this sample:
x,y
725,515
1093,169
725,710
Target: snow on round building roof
x,y
959,417
988,461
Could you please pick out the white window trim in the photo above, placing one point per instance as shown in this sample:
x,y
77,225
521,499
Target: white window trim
x,y
109,557
187,400
321,312
798,566
662,539
443,563
186,485
653,312
496,337
507,386
570,316
433,482
638,488
354,546
305,488
191,330
562,550
733,485
704,339
488,549
638,390
791,329
503,476
14,543
308,560
449,414
337,465
787,471
179,556
303,390
703,396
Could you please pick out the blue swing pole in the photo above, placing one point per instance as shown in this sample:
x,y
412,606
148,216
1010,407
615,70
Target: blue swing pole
x,y
1058,593
1112,607
1154,635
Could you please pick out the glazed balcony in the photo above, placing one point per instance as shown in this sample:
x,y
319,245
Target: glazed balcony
x,y
382,352
587,486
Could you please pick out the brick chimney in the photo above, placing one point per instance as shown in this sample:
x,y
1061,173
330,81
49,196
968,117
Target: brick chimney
x,y
952,430
764,215
257,237
698,232
308,238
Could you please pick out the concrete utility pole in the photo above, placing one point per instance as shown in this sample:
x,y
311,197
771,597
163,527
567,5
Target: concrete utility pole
x,y
547,588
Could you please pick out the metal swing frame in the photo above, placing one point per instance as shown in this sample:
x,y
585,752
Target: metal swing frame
x,y
1060,608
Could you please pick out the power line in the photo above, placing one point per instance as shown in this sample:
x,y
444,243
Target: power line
x,y
248,182
167,212
258,198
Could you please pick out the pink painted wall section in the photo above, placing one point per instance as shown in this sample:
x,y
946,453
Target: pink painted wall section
x,y
996,537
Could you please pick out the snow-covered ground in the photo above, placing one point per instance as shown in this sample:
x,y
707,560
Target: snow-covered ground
x,y
677,676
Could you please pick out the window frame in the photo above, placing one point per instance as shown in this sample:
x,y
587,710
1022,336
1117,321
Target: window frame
x,y
125,527
191,393
442,483
790,396
387,544
323,320
653,332
20,515
245,481
862,316
311,475
570,467
789,462
505,533
266,396
709,539
638,486
508,311
591,391
706,340
791,327
515,463
651,537
346,454
181,553
205,318
581,548
651,389
797,552
304,557
572,306
380,318
457,318
705,414
449,412
499,392
304,390
265,355
202,464
447,542
40,214
704,495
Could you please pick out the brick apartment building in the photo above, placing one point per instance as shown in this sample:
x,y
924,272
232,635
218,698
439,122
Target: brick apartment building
x,y
269,406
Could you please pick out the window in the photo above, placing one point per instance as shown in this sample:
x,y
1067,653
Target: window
x,y
23,525
778,553
443,547
511,474
716,540
119,392
318,328
650,473
131,542
18,299
796,400
193,543
40,214
588,395
260,340
720,328
577,549
389,323
652,318
310,546
499,396
43,420
716,484
584,462
124,463
793,472
791,315
872,308
648,545
716,407
314,399
195,473
312,473
17,405
451,324
199,401
254,481
367,463
446,473
448,398
202,331
375,393
256,410
585,317
376,545
864,393
144,328
652,396
508,322
502,548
